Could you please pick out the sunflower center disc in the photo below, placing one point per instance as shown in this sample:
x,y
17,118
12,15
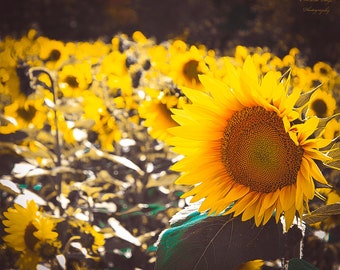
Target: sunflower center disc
x,y
258,153
320,108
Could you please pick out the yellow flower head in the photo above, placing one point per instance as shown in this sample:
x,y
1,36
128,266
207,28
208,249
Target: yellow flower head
x,y
91,239
322,104
28,112
74,78
53,52
27,228
244,146
186,65
157,111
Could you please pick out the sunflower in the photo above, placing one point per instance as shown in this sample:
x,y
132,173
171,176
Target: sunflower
x,y
92,52
27,228
74,78
187,64
157,111
245,147
325,74
91,239
28,112
54,53
321,104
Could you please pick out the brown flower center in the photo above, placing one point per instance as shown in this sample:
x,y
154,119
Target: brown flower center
x,y
258,153
27,113
30,239
54,55
320,108
72,81
190,70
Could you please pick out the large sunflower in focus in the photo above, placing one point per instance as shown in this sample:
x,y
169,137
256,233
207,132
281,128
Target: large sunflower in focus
x,y
246,146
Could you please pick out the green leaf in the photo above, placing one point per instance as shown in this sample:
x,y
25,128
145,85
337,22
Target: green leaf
x,y
299,264
322,213
220,242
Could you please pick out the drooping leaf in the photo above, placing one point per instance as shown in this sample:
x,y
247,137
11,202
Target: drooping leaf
x,y
305,97
28,195
300,264
122,233
114,158
9,186
322,213
323,122
5,120
334,153
221,242
14,137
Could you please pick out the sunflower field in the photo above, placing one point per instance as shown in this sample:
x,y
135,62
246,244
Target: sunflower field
x,y
136,153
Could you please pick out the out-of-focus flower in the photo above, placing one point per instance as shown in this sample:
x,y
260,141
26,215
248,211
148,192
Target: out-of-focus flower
x,y
91,52
322,104
107,130
91,239
54,53
104,124
28,229
156,111
74,78
187,64
325,74
241,145
28,112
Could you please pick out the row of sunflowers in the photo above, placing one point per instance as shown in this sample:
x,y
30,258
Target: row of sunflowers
x,y
87,134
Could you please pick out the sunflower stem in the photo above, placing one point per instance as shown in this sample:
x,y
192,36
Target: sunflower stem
x,y
34,73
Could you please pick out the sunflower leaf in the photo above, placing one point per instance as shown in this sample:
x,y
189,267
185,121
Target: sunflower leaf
x,y
305,97
299,264
334,153
323,122
221,242
322,213
9,186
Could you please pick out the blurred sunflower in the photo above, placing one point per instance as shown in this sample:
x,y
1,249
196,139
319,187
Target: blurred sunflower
x,y
157,118
74,78
92,52
91,239
107,130
186,65
10,83
28,229
243,149
104,124
322,104
157,111
54,53
325,74
28,112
